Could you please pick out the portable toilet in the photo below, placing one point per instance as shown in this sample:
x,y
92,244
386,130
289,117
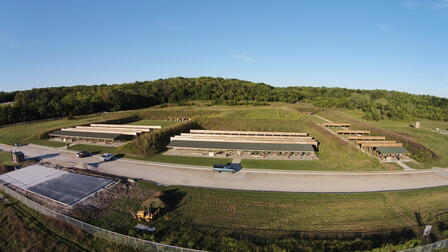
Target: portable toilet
x,y
17,157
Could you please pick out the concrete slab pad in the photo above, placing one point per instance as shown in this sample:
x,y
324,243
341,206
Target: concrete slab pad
x,y
62,186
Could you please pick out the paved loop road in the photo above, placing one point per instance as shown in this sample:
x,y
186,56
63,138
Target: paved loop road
x,y
248,179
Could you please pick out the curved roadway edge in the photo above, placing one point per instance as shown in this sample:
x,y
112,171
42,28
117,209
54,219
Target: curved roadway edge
x,y
248,179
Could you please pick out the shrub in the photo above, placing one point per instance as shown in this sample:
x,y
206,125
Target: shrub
x,y
157,141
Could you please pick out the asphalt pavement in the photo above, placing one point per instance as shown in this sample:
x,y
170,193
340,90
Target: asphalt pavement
x,y
245,179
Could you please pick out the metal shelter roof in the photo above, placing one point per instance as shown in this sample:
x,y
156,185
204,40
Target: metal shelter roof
x,y
84,134
392,150
241,146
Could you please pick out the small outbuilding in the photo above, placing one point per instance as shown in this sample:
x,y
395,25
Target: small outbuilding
x,y
17,157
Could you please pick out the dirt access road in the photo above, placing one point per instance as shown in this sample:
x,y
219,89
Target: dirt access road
x,y
246,179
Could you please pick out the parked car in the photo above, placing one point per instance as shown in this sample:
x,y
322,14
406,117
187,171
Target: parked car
x,y
18,144
229,167
107,157
83,154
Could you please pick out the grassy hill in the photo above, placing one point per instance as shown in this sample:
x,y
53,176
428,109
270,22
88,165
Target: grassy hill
x,y
334,154
214,219
422,141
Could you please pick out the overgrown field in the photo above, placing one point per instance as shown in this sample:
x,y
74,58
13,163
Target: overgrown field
x,y
5,158
430,148
212,218
22,229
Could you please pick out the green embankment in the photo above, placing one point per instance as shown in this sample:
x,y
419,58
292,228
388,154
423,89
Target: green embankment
x,y
162,123
31,133
208,215
435,142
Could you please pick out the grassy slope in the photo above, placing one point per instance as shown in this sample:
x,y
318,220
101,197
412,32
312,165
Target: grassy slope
x,y
283,213
28,133
162,123
25,230
435,142
333,154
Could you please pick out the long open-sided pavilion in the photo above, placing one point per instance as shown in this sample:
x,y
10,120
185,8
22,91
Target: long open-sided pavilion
x,y
101,133
389,152
255,144
376,145
337,125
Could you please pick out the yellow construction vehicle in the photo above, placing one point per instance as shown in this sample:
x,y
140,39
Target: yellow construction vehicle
x,y
154,206
145,215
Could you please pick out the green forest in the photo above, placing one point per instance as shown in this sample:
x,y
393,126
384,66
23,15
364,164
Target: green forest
x,y
52,102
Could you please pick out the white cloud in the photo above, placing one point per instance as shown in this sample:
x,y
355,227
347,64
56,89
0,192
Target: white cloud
x,y
386,28
242,57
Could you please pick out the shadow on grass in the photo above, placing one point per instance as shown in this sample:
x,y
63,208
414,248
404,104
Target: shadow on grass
x,y
172,198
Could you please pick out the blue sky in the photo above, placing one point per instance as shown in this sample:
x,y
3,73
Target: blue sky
x,y
381,44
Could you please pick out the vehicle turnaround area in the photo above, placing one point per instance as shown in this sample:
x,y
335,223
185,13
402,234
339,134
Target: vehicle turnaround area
x,y
247,179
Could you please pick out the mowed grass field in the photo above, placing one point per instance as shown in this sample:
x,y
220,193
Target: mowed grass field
x,y
436,142
29,133
162,123
280,213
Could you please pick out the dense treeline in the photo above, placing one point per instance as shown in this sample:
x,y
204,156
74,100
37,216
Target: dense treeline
x,y
65,101
7,97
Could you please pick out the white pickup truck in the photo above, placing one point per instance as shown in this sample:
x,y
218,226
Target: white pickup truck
x,y
107,157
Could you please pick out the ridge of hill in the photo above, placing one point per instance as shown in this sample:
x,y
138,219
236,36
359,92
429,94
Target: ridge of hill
x,y
51,102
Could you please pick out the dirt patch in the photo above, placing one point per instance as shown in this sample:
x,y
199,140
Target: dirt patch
x,y
93,207
4,169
